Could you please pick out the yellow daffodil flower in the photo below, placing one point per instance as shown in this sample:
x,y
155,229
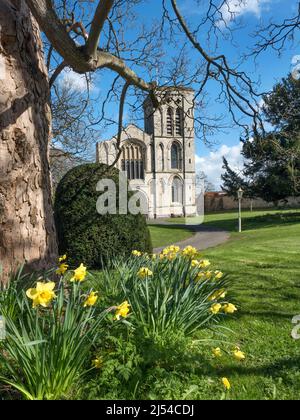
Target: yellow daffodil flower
x,y
62,258
122,310
174,248
97,363
218,275
79,273
91,299
238,354
226,384
62,269
195,263
189,251
42,294
144,272
229,308
219,294
204,264
217,352
215,309
136,253
200,276
171,256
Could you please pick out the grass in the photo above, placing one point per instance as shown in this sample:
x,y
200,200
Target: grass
x,y
165,235
264,265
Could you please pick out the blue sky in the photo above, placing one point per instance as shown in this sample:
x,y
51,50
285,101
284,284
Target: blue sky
x,y
267,69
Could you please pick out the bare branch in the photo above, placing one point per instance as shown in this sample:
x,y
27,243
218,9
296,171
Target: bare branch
x,y
57,72
101,14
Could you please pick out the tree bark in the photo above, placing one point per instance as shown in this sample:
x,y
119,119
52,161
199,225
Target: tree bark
x,y
27,232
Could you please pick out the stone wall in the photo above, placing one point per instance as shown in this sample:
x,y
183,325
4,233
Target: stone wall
x,y
219,202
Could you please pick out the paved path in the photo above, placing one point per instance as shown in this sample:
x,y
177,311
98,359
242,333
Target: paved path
x,y
203,238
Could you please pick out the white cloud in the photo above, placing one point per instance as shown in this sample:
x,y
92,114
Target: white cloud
x,y
237,8
212,164
74,80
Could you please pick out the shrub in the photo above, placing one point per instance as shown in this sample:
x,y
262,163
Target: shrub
x,y
84,234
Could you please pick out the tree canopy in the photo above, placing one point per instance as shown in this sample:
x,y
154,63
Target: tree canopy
x,y
272,160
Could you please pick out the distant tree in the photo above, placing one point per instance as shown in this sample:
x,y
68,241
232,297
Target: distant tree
x,y
232,181
208,186
272,160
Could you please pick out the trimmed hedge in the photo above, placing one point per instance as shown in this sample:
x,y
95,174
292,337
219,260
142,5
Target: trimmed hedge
x,y
85,235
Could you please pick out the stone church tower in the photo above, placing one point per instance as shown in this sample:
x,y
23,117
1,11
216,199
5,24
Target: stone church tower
x,y
160,161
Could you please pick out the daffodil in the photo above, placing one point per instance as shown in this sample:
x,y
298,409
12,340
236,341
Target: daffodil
x,y
218,275
144,272
91,299
238,354
226,384
217,352
215,309
174,248
62,269
200,276
204,263
219,294
195,263
229,308
171,256
42,294
136,253
79,273
62,258
122,310
189,251
97,363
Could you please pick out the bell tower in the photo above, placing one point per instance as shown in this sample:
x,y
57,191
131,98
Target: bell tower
x,y
171,127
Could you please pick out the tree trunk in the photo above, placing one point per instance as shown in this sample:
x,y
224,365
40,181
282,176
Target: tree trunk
x,y
27,232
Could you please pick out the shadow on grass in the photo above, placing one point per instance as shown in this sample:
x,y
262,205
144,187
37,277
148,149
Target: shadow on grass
x,y
257,222
273,369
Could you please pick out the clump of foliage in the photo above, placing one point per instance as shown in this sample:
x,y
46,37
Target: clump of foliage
x,y
168,294
47,347
272,159
107,334
83,233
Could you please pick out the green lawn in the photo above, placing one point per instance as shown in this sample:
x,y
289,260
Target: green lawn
x,y
165,235
264,265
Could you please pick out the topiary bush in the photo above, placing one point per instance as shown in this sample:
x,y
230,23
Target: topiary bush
x,y
85,235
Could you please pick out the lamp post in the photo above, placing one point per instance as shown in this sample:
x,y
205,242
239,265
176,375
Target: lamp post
x,y
240,193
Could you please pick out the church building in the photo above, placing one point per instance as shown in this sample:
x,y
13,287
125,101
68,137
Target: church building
x,y
160,161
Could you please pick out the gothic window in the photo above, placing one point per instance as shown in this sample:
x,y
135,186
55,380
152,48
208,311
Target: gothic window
x,y
178,122
177,190
133,161
170,121
175,156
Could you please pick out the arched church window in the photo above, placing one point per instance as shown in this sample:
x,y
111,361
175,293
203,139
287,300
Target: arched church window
x,y
175,156
177,190
170,121
133,161
179,122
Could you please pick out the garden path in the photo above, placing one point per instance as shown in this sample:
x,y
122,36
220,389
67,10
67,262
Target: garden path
x,y
203,238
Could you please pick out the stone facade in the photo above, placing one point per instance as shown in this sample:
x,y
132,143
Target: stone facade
x,y
160,161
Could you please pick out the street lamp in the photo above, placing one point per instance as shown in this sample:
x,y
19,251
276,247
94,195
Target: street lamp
x,y
240,193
